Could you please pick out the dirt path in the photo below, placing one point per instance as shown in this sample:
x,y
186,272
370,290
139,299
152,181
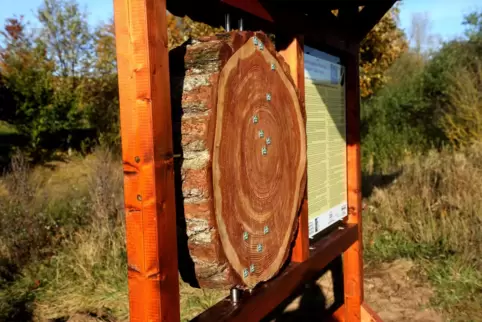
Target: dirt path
x,y
396,296
389,290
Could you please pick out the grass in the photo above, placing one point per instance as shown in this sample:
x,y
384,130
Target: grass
x,y
62,236
432,213
62,243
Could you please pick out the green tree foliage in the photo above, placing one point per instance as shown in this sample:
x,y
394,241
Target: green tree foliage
x,y
102,87
428,101
59,81
28,74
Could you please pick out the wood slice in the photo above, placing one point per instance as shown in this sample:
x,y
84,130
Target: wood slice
x,y
259,161
195,70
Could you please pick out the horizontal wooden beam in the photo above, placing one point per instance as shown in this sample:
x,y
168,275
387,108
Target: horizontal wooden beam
x,y
368,315
274,292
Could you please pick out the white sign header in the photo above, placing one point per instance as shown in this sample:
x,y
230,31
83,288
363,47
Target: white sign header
x,y
320,70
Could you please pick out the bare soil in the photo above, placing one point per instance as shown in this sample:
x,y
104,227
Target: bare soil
x,y
396,294
393,290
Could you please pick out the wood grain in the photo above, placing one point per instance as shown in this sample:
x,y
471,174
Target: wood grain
x,y
141,38
251,190
353,257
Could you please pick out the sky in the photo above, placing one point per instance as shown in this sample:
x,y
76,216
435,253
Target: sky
x,y
446,16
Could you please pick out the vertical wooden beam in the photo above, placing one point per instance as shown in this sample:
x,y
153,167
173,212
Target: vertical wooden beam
x,y
353,258
294,57
147,155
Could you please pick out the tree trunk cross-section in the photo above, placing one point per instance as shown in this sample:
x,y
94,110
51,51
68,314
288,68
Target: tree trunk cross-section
x,y
259,162
237,207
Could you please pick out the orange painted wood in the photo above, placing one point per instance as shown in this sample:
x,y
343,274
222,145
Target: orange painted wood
x,y
353,258
339,314
294,57
368,315
258,303
141,37
257,194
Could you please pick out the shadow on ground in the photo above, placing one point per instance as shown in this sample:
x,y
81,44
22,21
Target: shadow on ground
x,y
375,180
314,301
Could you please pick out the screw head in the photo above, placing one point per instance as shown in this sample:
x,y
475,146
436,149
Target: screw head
x,y
268,140
273,66
139,197
261,46
264,150
255,119
268,97
245,235
251,268
266,230
245,272
259,248
261,134
137,159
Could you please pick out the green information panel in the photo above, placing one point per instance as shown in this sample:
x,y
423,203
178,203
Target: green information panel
x,y
326,140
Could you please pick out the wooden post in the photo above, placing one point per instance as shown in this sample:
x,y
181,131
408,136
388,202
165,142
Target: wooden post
x,y
353,257
142,56
294,57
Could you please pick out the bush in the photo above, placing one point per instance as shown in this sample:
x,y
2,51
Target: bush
x,y
462,119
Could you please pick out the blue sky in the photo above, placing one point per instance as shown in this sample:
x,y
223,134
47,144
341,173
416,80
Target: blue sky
x,y
446,16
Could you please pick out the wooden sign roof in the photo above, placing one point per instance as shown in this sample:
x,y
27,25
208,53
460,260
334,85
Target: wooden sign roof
x,y
333,22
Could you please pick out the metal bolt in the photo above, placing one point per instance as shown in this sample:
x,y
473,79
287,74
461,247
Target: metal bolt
x,y
266,230
268,140
255,119
245,272
251,268
245,235
137,159
139,197
255,41
261,134
261,46
264,150
235,295
273,66
268,97
259,248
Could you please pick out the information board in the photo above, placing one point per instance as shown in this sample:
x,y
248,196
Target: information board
x,y
326,139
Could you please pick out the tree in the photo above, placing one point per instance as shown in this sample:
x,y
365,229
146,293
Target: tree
x,y
102,88
181,29
385,43
67,37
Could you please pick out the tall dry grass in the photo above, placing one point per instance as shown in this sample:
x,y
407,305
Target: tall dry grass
x,y
432,213
72,256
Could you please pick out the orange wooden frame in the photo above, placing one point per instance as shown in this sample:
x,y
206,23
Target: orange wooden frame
x,y
142,56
